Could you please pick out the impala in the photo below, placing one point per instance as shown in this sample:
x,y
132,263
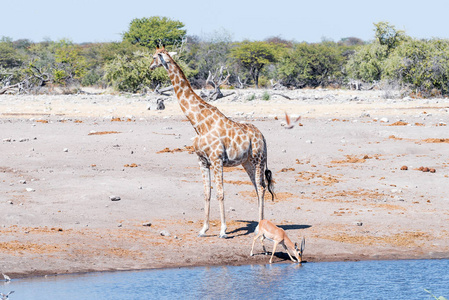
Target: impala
x,y
267,229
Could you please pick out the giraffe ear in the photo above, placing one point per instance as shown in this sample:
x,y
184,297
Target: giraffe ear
x,y
172,53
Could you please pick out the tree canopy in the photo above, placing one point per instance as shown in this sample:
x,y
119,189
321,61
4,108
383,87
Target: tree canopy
x,y
150,32
253,56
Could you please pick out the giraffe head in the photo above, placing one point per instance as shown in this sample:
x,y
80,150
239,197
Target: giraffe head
x,y
162,58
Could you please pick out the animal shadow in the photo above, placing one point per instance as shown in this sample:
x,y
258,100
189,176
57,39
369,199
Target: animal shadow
x,y
248,228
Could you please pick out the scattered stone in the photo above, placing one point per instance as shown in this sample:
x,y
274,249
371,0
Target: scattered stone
x,y
309,142
165,233
7,140
22,181
24,140
384,120
114,198
358,223
365,115
119,225
147,224
66,150
30,190
432,170
404,168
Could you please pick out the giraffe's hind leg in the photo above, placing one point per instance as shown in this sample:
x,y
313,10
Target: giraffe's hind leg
x,y
255,171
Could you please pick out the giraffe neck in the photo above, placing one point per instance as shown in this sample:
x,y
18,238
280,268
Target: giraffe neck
x,y
195,108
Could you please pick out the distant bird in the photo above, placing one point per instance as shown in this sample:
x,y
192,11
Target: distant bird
x,y
290,125
6,296
7,278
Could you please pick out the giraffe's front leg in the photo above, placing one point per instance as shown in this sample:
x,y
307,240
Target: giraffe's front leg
x,y
218,177
205,172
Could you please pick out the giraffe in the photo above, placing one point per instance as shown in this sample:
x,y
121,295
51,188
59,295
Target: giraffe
x,y
219,142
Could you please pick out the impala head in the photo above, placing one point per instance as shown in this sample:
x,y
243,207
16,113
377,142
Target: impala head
x,y
300,251
161,58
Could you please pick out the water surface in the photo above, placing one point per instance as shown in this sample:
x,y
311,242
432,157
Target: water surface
x,y
404,279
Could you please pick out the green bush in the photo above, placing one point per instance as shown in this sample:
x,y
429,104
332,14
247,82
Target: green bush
x,y
422,64
311,65
265,96
367,62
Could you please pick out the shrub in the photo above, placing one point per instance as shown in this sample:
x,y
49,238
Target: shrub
x,y
311,65
423,64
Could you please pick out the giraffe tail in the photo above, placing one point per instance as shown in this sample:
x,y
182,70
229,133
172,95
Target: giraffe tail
x,y
268,175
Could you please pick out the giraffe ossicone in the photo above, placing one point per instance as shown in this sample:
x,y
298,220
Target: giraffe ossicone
x,y
219,142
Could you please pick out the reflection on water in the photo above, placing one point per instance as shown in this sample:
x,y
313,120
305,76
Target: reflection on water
x,y
337,280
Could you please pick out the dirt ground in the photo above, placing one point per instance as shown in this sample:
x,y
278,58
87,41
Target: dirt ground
x,y
339,178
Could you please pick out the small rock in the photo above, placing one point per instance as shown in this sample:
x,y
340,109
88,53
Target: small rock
x,y
384,120
66,150
432,170
404,168
146,224
22,181
165,233
30,190
358,223
114,198
365,115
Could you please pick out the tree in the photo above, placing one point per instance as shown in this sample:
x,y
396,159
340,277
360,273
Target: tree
x,y
208,54
311,65
69,62
150,32
387,35
131,73
422,64
9,56
253,56
367,62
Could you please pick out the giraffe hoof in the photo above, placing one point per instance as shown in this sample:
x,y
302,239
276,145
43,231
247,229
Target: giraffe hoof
x,y
223,236
201,235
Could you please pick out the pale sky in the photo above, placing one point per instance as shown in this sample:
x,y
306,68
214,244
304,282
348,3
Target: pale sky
x,y
298,20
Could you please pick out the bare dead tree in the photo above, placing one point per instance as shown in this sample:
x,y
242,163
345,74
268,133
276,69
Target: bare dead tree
x,y
215,80
241,84
163,91
34,78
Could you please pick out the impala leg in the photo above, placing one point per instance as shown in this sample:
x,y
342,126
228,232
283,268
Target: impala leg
x,y
274,250
288,252
262,238
218,177
205,172
254,241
